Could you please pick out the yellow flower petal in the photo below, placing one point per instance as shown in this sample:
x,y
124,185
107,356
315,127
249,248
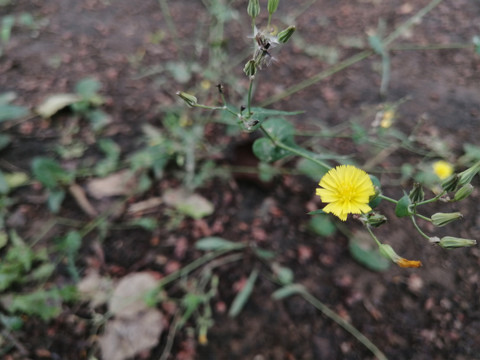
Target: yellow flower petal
x,y
346,190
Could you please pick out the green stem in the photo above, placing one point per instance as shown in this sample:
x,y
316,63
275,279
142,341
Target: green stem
x,y
293,150
249,98
381,196
418,228
423,217
343,323
432,199
224,107
320,76
374,237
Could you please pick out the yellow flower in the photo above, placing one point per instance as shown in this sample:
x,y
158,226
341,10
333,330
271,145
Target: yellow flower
x,y
442,169
347,190
387,119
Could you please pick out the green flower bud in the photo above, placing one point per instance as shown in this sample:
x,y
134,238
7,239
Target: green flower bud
x,y
250,68
285,34
467,176
253,8
189,99
450,242
463,192
374,219
417,194
451,183
272,6
442,219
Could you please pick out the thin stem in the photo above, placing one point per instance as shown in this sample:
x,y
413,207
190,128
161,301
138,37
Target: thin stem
x,y
249,98
432,199
346,325
423,217
381,196
293,150
320,76
414,19
374,237
418,228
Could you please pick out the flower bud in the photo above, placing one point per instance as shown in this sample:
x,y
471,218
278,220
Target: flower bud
x,y
463,192
467,176
388,252
253,8
272,6
451,183
374,219
417,194
284,35
442,219
250,68
189,99
450,242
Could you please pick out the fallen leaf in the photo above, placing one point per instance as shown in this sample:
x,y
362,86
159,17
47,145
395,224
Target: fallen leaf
x,y
192,205
124,338
95,288
55,103
128,297
116,184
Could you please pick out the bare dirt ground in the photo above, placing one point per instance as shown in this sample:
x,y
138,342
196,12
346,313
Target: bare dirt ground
x,y
427,313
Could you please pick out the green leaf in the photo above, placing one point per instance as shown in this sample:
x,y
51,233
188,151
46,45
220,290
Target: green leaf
x,y
55,199
43,303
3,239
147,223
71,243
88,87
283,274
311,169
110,163
402,208
366,253
4,141
317,212
280,129
244,294
266,172
376,201
4,188
50,173
43,272
263,254
287,291
322,225
11,323
264,150
12,112
214,243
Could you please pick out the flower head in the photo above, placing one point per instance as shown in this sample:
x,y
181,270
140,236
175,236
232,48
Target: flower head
x,y
442,169
347,190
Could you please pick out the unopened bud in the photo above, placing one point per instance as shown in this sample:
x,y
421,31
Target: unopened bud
x,y
250,68
442,219
253,8
417,194
374,219
467,176
451,183
284,35
463,192
388,252
189,99
450,242
272,6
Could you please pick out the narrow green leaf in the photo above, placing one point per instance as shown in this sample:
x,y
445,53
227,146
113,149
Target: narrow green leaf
x,y
244,294
322,225
366,253
55,199
217,243
287,291
50,173
12,112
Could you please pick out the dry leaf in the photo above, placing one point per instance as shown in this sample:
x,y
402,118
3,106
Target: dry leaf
x,y
124,338
95,288
128,297
116,184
